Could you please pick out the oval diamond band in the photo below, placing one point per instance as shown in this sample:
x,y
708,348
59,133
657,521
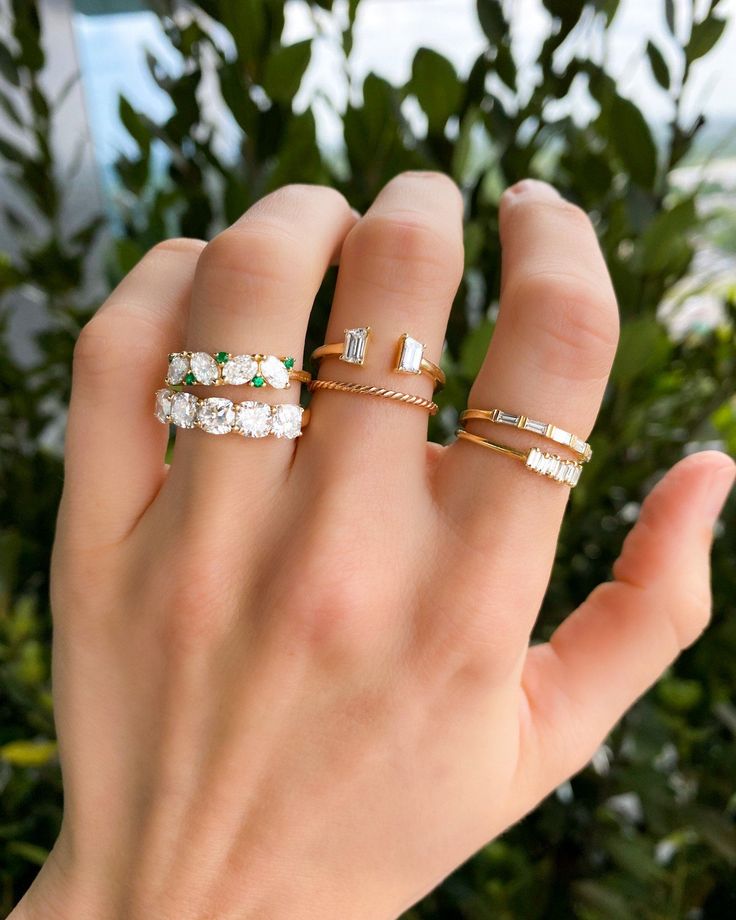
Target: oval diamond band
x,y
216,415
220,368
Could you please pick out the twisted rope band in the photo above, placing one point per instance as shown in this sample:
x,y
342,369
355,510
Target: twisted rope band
x,y
365,390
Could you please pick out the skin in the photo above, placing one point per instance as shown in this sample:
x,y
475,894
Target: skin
x,y
293,679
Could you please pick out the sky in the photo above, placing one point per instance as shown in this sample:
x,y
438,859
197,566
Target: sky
x,y
112,50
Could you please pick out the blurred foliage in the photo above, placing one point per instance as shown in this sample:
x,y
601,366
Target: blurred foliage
x,y
647,830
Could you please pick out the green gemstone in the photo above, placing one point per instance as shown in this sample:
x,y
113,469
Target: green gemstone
x,y
289,363
190,379
222,357
258,381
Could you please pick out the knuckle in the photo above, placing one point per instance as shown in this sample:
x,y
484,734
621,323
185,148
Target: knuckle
x,y
574,321
259,252
404,252
106,343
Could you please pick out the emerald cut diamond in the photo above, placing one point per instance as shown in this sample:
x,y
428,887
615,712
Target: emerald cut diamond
x,y
356,340
411,354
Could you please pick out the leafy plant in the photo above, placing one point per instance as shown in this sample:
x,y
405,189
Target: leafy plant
x,y
648,829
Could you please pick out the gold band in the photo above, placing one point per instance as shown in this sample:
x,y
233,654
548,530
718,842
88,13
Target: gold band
x,y
566,472
551,432
409,356
365,390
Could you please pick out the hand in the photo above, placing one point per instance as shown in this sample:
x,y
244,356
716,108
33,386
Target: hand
x,y
293,678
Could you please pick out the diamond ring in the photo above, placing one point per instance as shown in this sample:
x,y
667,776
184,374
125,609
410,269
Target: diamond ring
x,y
551,432
561,470
221,416
409,356
200,367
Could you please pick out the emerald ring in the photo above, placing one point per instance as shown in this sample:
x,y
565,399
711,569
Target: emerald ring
x,y
219,368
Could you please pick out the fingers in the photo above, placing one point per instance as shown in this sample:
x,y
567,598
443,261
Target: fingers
x,y
549,360
253,293
607,653
114,445
399,271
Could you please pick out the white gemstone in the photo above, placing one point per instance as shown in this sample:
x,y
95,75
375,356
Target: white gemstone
x,y
216,415
239,369
178,369
410,356
253,419
204,367
505,418
163,405
184,410
286,421
537,427
575,478
275,372
534,458
355,343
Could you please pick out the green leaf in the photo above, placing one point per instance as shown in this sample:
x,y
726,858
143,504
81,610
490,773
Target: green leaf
x,y
644,348
633,141
28,753
474,348
284,70
664,234
8,67
492,20
568,12
659,65
135,125
704,36
679,695
435,84
28,851
670,16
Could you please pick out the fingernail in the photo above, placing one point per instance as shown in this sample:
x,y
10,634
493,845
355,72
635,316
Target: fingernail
x,y
534,187
719,488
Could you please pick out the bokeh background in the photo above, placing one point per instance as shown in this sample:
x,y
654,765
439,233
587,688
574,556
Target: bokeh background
x,y
122,123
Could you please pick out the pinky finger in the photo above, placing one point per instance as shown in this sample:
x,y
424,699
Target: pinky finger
x,y
114,457
621,639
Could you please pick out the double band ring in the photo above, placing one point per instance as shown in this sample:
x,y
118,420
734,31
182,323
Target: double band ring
x,y
200,367
409,355
220,416
551,432
366,390
552,466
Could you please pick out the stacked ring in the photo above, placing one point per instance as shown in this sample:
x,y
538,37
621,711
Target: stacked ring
x,y
551,432
220,416
552,466
409,356
362,389
219,368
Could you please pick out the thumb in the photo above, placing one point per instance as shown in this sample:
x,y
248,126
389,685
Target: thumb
x,y
619,641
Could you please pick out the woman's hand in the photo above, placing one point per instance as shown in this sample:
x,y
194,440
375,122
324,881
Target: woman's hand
x,y
293,678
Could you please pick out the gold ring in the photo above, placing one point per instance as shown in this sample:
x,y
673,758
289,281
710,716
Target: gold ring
x,y
409,355
552,432
365,390
552,466
216,415
219,368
